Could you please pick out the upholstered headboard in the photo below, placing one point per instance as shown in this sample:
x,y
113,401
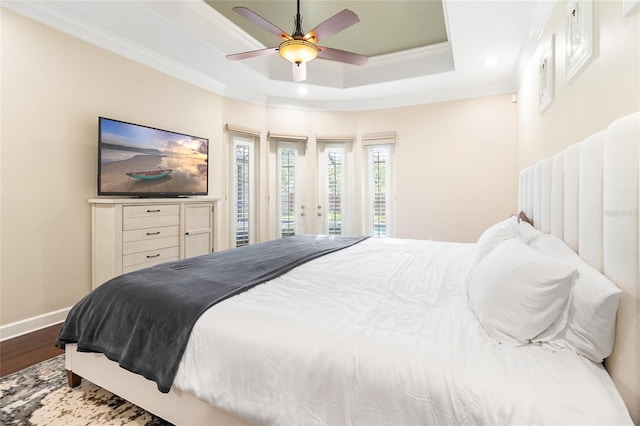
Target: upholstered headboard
x,y
588,196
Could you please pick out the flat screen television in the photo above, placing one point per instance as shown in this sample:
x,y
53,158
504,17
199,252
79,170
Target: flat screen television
x,y
142,161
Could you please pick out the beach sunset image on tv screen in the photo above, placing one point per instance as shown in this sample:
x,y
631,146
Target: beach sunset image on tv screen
x,y
140,160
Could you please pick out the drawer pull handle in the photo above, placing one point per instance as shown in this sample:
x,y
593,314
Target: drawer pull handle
x,y
153,211
153,233
153,255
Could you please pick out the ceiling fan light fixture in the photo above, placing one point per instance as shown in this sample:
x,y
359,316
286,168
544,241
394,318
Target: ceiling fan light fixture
x,y
298,51
298,48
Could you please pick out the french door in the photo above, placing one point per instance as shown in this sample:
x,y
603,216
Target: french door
x,y
379,194
311,201
290,191
334,209
243,198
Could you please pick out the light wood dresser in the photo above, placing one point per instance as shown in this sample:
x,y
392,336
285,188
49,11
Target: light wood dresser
x,y
130,234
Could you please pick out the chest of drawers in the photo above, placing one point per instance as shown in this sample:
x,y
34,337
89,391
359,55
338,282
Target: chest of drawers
x,y
150,235
128,235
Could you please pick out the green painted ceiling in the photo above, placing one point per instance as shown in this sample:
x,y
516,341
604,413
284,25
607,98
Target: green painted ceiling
x,y
384,27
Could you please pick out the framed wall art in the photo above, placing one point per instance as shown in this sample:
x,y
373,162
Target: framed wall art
x,y
546,73
579,36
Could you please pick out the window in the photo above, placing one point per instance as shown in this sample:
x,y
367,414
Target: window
x,y
243,192
334,190
335,204
287,184
287,187
379,195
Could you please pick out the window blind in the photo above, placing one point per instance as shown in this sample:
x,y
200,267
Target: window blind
x,y
243,130
242,194
381,138
335,139
285,137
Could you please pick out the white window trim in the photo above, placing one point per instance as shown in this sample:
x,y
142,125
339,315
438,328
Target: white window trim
x,y
274,140
300,183
368,192
348,193
239,139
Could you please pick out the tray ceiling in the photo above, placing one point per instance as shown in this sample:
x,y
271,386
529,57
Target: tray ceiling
x,y
420,51
384,27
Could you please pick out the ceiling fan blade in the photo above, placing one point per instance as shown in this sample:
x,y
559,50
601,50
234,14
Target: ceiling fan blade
x,y
333,25
252,54
299,71
338,55
261,22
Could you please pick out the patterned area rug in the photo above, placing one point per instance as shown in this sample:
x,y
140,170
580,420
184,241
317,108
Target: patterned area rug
x,y
39,395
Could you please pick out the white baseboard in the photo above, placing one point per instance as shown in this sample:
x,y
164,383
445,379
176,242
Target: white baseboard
x,y
28,325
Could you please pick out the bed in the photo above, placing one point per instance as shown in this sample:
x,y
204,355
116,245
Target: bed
x,y
397,331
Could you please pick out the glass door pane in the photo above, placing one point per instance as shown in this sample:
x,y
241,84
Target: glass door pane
x,y
243,192
334,191
291,213
333,202
379,190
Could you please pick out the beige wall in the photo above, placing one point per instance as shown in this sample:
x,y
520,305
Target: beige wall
x,y
453,159
54,87
608,87
456,171
456,161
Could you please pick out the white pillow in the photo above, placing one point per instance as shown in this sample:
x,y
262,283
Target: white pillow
x,y
494,235
518,293
528,233
590,329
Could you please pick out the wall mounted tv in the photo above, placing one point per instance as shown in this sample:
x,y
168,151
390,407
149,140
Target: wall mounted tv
x,y
143,161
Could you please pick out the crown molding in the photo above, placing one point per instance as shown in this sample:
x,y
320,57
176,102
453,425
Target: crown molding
x,y
388,81
48,14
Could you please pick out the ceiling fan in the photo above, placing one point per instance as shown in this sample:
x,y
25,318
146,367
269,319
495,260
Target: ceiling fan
x,y
300,48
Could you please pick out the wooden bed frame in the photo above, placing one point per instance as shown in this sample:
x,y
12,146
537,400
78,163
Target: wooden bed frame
x,y
586,195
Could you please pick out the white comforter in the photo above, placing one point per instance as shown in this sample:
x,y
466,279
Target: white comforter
x,y
381,333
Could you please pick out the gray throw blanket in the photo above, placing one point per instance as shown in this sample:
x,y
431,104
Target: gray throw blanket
x,y
143,319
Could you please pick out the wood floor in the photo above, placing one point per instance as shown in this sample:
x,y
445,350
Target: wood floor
x,y
24,351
